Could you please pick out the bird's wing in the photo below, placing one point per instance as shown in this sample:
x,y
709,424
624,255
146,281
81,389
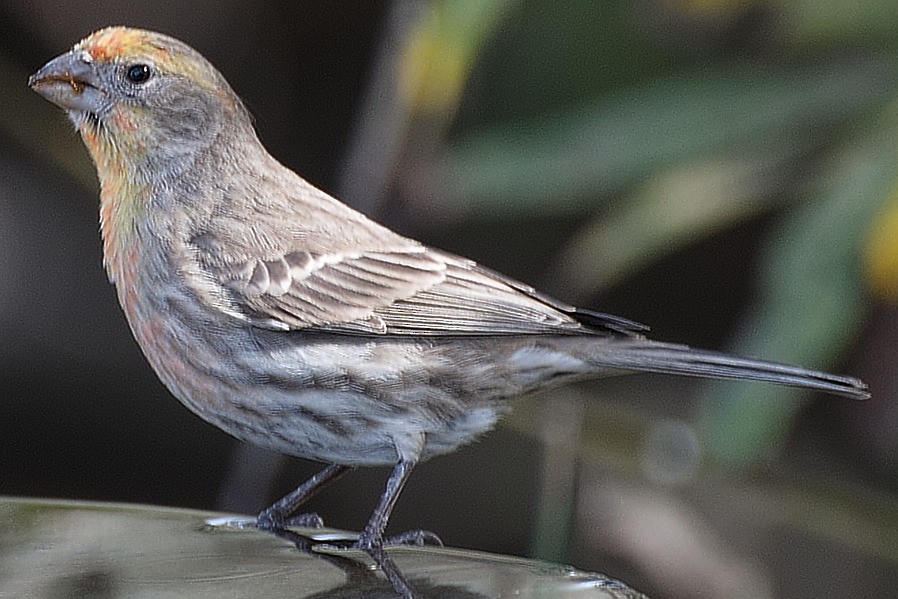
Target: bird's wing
x,y
313,263
410,290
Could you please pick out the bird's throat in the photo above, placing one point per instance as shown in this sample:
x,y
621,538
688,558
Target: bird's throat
x,y
123,199
117,227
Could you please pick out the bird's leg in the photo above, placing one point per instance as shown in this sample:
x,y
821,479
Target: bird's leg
x,y
275,516
373,534
374,531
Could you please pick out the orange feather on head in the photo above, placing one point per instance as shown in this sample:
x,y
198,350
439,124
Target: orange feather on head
x,y
112,43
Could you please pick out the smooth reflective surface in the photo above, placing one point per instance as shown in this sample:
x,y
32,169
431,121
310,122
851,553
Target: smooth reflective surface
x,y
52,550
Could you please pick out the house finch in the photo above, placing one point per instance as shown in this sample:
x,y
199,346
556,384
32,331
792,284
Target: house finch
x,y
287,319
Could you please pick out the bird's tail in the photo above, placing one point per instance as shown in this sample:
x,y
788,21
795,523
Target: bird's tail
x,y
643,355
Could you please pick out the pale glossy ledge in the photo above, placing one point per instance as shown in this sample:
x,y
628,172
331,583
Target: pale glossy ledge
x,y
54,549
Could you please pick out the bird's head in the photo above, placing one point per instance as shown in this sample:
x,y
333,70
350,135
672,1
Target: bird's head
x,y
143,102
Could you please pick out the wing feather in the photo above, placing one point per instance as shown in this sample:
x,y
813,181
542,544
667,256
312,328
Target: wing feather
x,y
406,291
365,279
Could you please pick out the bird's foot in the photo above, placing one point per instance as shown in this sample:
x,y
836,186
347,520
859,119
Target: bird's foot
x,y
270,519
417,538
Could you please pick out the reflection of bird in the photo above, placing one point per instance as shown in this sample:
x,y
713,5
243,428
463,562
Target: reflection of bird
x,y
291,321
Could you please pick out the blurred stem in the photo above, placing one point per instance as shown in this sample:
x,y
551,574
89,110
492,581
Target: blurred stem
x,y
382,120
420,70
559,432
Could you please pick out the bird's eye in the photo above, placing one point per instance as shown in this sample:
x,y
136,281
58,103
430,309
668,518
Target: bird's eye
x,y
138,73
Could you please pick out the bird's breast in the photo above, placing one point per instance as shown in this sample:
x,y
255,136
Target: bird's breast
x,y
334,398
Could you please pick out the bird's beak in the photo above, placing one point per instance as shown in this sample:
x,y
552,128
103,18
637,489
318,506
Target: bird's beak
x,y
70,81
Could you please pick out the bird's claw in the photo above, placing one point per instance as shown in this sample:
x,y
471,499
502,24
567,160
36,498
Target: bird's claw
x,y
416,538
310,520
272,520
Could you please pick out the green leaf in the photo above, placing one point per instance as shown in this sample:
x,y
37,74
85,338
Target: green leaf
x,y
566,163
813,296
674,209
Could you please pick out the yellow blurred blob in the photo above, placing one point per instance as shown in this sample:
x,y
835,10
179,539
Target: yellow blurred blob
x,y
881,252
433,70
441,49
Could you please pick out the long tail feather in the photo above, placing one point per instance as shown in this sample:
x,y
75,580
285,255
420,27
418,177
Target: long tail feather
x,y
651,356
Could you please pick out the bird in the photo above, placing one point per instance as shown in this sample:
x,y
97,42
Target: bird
x,y
291,321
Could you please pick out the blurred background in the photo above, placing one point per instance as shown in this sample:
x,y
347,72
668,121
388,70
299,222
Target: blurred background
x,y
725,171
